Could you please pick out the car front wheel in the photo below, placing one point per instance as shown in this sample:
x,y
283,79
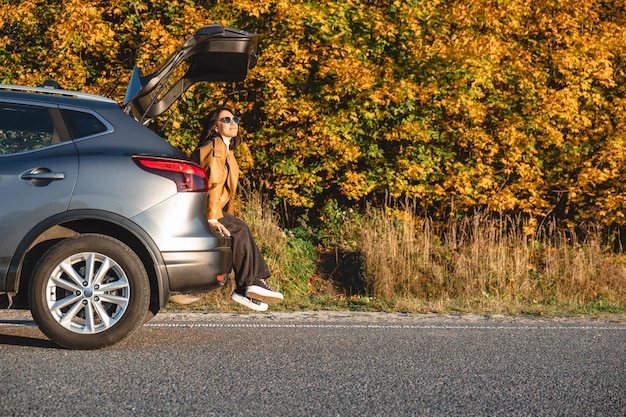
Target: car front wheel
x,y
89,292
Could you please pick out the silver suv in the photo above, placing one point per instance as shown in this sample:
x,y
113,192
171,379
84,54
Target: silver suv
x,y
101,219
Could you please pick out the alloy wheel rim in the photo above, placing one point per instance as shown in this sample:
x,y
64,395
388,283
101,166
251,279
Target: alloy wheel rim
x,y
88,293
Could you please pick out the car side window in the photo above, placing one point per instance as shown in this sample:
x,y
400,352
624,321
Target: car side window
x,y
83,124
24,128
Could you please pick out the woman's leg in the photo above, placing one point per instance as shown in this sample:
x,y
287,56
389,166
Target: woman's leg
x,y
250,268
248,262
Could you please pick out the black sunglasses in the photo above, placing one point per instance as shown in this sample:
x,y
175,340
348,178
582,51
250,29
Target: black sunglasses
x,y
227,120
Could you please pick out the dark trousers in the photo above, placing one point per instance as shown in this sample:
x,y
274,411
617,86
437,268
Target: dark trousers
x,y
248,262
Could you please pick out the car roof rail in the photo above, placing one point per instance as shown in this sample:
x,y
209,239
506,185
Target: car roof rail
x,y
53,89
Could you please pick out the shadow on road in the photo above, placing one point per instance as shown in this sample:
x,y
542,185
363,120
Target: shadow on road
x,y
13,340
23,332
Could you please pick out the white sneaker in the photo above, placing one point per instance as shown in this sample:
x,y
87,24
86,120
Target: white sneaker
x,y
251,303
261,291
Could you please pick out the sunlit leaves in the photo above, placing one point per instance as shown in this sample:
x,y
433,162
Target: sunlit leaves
x,y
510,106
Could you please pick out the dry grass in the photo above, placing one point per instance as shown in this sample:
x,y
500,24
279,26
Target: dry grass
x,y
390,260
487,264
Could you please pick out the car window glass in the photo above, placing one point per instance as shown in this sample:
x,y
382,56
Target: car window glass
x,y
83,124
23,128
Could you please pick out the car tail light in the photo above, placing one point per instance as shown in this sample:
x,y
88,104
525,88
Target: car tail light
x,y
187,176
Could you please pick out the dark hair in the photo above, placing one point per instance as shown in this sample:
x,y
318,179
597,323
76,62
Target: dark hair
x,y
208,128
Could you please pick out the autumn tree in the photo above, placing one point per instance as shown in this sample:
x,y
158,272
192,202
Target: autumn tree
x,y
509,106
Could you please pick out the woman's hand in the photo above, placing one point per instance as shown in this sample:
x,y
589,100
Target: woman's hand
x,y
219,228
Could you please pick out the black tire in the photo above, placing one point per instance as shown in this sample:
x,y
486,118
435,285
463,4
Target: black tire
x,y
89,292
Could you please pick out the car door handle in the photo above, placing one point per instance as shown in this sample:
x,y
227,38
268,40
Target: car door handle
x,y
40,177
52,176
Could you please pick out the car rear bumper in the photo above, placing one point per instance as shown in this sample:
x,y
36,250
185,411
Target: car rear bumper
x,y
198,270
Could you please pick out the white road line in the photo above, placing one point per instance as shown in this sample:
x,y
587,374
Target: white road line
x,y
380,326
328,325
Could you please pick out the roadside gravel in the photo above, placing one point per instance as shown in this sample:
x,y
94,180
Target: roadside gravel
x,y
24,317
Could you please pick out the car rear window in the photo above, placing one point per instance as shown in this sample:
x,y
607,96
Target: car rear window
x,y
23,128
83,124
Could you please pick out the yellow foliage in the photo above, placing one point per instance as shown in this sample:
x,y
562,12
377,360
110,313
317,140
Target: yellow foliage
x,y
515,106
356,186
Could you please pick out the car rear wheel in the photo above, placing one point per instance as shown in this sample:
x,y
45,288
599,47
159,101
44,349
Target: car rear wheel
x,y
89,292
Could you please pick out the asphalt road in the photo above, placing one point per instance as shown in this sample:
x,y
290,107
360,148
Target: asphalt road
x,y
322,364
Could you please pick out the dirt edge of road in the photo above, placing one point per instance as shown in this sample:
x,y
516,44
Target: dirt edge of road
x,y
24,316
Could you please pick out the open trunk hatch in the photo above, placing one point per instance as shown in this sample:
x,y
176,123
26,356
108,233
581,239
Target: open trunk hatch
x,y
213,53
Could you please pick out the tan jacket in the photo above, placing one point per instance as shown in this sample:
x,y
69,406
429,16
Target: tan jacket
x,y
223,172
